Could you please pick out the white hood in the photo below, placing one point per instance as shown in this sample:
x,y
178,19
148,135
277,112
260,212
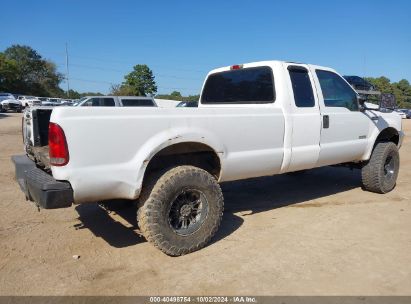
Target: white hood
x,y
7,101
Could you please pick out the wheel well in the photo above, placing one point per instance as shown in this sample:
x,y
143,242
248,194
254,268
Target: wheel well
x,y
187,153
388,134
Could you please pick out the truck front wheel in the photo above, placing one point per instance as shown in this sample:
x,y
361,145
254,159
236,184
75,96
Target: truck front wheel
x,y
181,211
380,173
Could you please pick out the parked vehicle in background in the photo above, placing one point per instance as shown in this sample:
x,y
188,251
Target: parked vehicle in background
x,y
66,102
254,119
4,96
52,102
117,101
359,83
28,101
43,99
9,103
402,114
166,103
77,102
188,104
407,113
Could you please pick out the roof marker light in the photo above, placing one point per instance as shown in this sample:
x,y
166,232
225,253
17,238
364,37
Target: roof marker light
x,y
236,67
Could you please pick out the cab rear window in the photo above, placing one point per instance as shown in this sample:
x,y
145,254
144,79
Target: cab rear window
x,y
242,86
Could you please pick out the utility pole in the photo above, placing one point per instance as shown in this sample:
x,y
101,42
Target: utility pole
x,y
67,72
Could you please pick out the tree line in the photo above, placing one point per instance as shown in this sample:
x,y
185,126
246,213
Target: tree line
x,y
24,71
401,89
141,82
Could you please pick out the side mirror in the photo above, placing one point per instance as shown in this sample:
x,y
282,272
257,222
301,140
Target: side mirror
x,y
388,101
88,104
361,101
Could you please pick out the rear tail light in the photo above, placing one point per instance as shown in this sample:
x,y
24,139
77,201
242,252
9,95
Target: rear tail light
x,y
58,151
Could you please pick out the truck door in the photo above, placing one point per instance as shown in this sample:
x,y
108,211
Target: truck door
x,y
306,119
344,132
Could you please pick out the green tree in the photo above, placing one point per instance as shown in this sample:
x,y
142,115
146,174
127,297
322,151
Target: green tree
x,y
91,94
140,81
31,74
121,90
50,79
73,94
8,74
175,95
192,98
401,89
382,83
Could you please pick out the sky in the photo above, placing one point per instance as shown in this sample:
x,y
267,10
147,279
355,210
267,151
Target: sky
x,y
182,40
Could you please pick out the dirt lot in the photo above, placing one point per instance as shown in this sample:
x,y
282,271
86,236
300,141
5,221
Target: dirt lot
x,y
315,234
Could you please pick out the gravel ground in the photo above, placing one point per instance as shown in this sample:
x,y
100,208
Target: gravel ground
x,y
314,234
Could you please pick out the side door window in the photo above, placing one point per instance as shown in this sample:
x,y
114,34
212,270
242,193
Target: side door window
x,y
302,89
94,102
345,130
107,102
100,102
305,125
336,92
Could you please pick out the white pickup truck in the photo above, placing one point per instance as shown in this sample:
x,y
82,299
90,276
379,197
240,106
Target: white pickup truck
x,y
29,101
255,119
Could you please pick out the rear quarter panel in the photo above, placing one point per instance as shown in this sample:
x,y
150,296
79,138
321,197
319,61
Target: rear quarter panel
x,y
111,147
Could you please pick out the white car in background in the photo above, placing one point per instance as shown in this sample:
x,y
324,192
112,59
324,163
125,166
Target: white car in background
x,y
28,101
9,102
51,102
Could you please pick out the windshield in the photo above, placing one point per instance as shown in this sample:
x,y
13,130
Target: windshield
x,y
6,96
81,101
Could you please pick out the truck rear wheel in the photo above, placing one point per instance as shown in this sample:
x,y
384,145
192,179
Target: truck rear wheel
x,y
181,211
381,172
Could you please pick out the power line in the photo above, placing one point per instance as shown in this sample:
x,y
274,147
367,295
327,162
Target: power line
x,y
111,83
94,81
67,70
119,71
134,63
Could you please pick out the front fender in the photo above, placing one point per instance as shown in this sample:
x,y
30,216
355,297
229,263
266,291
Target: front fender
x,y
384,122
